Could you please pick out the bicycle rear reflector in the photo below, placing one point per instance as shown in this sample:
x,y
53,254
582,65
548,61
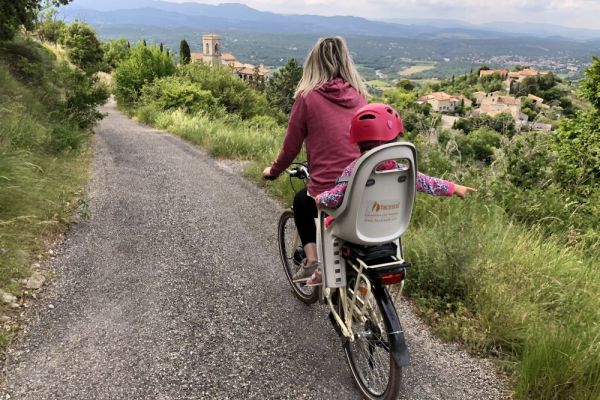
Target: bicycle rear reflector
x,y
392,279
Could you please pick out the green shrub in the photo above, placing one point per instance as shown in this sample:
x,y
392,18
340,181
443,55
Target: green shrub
x,y
83,47
175,92
503,123
479,145
65,137
142,67
231,92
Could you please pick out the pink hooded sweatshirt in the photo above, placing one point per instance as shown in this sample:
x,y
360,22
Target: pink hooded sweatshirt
x,y
322,120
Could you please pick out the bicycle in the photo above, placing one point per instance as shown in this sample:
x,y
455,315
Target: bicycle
x,y
360,256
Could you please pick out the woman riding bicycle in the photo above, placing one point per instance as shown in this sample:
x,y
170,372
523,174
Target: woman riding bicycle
x,y
328,95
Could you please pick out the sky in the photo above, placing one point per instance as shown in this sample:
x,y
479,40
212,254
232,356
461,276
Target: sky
x,y
573,13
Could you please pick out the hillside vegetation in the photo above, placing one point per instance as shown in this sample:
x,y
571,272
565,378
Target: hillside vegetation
x,y
47,109
512,272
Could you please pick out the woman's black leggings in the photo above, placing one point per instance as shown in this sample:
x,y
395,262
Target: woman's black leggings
x,y
305,212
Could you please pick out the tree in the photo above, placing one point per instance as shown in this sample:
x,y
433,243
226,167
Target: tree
x,y
48,27
590,87
406,85
577,141
115,51
185,56
258,81
83,47
161,47
16,13
282,85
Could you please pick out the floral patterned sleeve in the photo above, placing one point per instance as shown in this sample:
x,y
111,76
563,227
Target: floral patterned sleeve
x,y
434,186
333,198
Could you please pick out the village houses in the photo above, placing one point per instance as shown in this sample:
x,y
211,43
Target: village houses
x,y
511,77
212,55
493,104
443,102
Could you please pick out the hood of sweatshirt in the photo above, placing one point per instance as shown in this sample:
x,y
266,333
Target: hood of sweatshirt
x,y
340,92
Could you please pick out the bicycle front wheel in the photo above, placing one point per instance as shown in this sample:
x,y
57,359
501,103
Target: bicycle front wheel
x,y
292,257
370,355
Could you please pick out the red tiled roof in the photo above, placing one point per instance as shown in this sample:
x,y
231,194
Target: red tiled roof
x,y
508,100
228,57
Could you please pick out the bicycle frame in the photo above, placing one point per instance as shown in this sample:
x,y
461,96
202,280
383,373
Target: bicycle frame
x,y
334,268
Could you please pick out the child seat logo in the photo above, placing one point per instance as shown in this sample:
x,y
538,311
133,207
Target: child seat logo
x,y
377,207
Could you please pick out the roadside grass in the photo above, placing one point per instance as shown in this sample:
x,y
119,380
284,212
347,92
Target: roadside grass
x,y
44,163
498,287
504,289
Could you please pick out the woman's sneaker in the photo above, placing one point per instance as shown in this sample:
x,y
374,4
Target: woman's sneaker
x,y
316,279
305,272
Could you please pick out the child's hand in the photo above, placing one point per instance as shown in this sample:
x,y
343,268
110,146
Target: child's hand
x,y
462,191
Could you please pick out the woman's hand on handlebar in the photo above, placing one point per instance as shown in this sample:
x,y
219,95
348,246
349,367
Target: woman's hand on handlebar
x,y
266,174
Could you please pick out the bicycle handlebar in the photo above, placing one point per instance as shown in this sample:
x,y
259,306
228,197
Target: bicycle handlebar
x,y
300,172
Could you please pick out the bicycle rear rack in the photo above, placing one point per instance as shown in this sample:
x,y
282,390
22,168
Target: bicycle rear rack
x,y
360,291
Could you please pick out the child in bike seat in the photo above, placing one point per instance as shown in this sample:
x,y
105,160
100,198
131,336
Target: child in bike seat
x,y
374,125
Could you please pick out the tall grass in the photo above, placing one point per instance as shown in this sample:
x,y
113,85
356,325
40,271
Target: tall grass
x,y
505,289
44,107
501,288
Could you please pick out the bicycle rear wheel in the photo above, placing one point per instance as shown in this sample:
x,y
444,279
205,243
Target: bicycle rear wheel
x,y
369,355
292,256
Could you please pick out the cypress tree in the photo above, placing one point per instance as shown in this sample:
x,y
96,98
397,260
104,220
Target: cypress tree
x,y
161,47
184,53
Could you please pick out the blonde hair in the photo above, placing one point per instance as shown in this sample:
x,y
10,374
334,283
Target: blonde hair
x,y
328,59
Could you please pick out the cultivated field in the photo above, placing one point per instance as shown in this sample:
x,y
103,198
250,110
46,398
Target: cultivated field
x,y
415,69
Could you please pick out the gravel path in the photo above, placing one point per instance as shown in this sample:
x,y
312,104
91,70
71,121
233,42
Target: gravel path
x,y
173,290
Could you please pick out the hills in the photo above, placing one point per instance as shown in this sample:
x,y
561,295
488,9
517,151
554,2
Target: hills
x,y
235,16
440,48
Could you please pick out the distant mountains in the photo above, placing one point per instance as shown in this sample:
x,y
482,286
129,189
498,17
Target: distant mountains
x,y
503,27
239,17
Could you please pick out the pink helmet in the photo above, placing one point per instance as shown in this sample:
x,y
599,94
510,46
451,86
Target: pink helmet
x,y
375,121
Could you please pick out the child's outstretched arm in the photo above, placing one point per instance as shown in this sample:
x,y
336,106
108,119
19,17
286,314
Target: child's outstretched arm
x,y
441,187
434,186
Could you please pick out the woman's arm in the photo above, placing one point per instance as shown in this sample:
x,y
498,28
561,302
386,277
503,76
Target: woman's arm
x,y
296,133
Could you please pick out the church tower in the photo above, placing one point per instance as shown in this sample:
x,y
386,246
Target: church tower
x,y
211,49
